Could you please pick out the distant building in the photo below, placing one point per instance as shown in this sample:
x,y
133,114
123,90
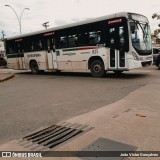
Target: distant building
x,y
2,51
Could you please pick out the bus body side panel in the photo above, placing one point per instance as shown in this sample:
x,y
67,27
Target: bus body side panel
x,y
49,60
13,63
131,62
39,57
78,58
63,60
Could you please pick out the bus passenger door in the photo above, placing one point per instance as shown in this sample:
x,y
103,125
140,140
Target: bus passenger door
x,y
20,54
51,58
116,42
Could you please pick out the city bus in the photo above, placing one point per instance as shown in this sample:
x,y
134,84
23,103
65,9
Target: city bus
x,y
117,42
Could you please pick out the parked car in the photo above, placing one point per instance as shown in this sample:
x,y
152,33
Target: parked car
x,y
3,62
157,61
156,51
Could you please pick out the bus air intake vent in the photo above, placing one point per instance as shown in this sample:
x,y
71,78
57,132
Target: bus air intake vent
x,y
52,136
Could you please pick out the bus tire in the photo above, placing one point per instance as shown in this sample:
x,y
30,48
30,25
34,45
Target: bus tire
x,y
41,71
34,67
58,71
97,69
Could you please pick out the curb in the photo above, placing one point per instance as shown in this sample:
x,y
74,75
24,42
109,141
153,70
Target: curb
x,y
7,78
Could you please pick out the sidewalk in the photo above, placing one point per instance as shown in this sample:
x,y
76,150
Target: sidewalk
x,y
134,120
5,76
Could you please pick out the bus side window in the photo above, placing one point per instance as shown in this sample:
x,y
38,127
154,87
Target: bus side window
x,y
37,45
72,40
27,44
83,39
32,46
10,50
19,48
10,47
63,41
16,48
94,37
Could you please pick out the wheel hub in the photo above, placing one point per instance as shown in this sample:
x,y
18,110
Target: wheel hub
x,y
97,68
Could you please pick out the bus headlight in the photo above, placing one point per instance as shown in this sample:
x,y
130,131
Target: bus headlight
x,y
146,58
149,58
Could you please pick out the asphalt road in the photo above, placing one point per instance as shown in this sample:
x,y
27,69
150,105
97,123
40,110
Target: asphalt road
x,y
31,102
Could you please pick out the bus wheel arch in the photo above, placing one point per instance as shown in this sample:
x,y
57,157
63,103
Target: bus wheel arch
x,y
34,67
96,66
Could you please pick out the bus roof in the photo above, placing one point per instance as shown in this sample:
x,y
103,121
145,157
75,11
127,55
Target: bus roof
x,y
120,14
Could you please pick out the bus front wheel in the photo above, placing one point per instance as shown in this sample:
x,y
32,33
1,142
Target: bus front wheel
x,y
97,69
34,67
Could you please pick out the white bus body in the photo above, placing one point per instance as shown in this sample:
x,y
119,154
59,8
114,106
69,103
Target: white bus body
x,y
117,42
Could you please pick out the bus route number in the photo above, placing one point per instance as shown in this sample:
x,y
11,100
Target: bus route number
x,y
95,51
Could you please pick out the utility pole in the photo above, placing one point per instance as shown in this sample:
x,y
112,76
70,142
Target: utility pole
x,y
3,45
19,18
3,34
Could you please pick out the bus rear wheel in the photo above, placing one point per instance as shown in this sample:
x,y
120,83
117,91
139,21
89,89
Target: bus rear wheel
x,y
34,67
97,69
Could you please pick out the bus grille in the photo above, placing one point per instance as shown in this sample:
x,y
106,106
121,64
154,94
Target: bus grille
x,y
148,63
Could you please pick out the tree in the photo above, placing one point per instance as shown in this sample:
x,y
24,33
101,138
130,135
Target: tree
x,y
157,31
155,15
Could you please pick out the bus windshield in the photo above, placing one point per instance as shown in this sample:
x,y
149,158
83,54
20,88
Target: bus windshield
x,y
141,37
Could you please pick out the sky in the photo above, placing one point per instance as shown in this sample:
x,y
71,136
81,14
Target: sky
x,y
60,12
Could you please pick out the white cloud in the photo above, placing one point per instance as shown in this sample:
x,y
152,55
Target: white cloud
x,y
59,12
